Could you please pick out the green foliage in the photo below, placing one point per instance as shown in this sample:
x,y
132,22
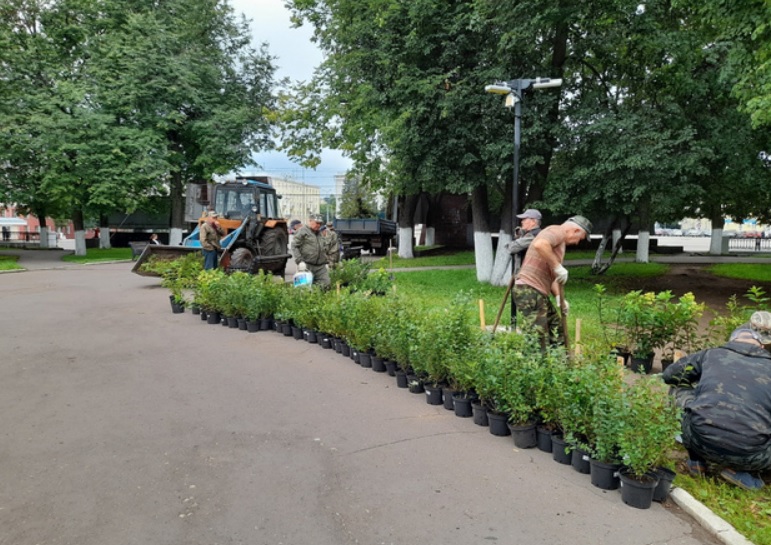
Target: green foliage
x,y
178,275
735,314
106,103
643,322
351,273
208,291
650,420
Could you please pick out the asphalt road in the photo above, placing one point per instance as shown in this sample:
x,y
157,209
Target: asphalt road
x,y
123,423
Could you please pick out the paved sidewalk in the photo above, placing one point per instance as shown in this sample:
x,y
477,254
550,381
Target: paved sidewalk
x,y
125,423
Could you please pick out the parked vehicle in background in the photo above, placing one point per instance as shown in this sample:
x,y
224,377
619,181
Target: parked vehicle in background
x,y
256,235
371,234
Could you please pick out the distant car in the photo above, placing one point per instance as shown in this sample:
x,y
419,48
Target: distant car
x,y
676,232
693,233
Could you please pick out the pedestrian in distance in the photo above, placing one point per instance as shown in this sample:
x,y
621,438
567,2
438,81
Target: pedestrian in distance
x,y
309,250
725,393
542,274
210,234
154,239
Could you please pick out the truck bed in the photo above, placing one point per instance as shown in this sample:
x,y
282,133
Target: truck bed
x,y
365,226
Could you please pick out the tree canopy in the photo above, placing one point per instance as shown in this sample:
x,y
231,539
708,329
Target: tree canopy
x,y
108,102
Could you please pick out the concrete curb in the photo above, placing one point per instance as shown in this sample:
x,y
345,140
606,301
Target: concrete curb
x,y
707,519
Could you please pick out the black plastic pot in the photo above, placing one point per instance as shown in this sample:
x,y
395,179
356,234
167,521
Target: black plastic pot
x,y
498,424
666,476
604,475
480,414
524,435
543,437
638,491
560,451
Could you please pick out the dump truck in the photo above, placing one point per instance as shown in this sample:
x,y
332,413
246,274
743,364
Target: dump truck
x,y
370,234
256,235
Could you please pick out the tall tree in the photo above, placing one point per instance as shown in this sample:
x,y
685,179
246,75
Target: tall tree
x,y
107,102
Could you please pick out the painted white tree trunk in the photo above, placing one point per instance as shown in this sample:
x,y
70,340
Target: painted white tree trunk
x,y
716,242
175,236
80,243
430,236
405,243
616,238
643,246
483,254
104,238
502,266
44,237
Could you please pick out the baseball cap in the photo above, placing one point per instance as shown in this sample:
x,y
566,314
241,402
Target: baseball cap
x,y
530,213
583,223
294,223
330,224
213,214
316,217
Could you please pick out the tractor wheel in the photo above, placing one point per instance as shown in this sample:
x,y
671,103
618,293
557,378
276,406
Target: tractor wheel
x,y
273,241
241,259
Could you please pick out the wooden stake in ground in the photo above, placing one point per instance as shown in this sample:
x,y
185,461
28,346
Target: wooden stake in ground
x,y
482,314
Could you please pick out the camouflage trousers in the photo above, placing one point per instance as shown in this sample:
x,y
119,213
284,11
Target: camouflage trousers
x,y
696,444
538,310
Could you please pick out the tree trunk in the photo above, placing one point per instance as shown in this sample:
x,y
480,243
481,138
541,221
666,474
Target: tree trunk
x,y
483,241
407,205
558,58
502,266
643,236
40,213
80,233
177,208
643,246
104,232
716,240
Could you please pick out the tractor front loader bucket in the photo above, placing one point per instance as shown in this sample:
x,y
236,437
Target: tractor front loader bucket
x,y
160,251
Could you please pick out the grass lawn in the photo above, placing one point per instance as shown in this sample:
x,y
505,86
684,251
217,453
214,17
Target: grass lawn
x,y
94,255
8,263
748,512
759,272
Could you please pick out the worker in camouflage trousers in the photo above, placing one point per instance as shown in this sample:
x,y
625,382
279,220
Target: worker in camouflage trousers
x,y
309,250
333,244
726,396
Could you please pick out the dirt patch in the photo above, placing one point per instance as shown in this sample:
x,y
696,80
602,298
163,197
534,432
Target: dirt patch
x,y
714,291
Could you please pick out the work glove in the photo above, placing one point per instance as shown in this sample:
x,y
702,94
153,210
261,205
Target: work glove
x,y
560,274
302,267
559,305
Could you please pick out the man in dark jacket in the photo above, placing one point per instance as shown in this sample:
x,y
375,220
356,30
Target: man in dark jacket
x,y
309,249
726,395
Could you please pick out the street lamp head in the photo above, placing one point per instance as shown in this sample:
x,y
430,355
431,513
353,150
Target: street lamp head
x,y
543,83
498,88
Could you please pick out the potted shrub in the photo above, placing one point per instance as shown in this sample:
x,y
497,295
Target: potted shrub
x,y
179,277
209,291
520,374
682,319
643,317
650,420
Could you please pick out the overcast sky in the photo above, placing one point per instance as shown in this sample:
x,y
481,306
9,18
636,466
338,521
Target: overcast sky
x,y
296,58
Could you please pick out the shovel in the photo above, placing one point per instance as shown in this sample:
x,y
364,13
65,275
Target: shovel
x,y
564,316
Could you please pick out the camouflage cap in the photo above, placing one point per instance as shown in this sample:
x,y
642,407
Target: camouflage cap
x,y
583,223
760,322
316,217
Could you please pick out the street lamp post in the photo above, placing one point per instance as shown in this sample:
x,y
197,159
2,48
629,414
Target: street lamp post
x,y
515,90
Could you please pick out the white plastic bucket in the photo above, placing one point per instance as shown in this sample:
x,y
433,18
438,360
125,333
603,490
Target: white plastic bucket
x,y
302,279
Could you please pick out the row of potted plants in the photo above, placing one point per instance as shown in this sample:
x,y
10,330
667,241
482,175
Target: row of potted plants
x,y
585,400
588,401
